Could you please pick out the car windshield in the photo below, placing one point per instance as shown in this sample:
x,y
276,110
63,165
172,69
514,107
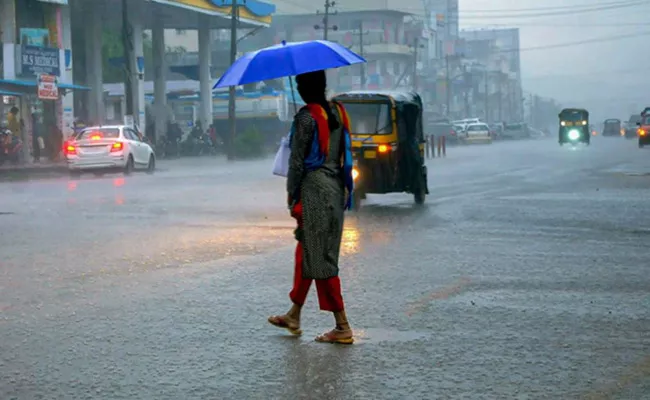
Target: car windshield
x,y
573,116
646,120
98,133
513,127
369,118
474,128
634,119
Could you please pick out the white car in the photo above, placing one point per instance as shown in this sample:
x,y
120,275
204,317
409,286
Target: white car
x,y
101,149
477,133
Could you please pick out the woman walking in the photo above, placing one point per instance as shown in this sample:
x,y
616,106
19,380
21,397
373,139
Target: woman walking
x,y
319,174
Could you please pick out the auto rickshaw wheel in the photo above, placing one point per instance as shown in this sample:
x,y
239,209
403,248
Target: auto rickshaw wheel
x,y
421,194
356,200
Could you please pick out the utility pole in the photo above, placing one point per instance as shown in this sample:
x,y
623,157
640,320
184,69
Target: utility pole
x,y
232,99
500,97
415,64
487,96
329,4
448,84
127,44
466,80
362,66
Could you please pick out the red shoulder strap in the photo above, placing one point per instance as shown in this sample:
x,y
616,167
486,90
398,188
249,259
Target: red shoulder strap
x,y
320,116
345,118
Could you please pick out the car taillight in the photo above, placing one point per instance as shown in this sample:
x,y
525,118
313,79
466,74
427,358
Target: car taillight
x,y
70,149
117,146
642,132
453,132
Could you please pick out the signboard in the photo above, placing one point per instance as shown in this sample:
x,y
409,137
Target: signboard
x,y
34,37
62,2
37,60
48,88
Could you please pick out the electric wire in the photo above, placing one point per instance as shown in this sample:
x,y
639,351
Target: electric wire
x,y
552,8
577,43
557,13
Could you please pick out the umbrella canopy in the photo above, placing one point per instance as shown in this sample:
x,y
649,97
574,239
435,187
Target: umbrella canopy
x,y
287,59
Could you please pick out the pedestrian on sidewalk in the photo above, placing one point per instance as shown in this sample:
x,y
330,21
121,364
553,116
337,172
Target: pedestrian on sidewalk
x,y
316,186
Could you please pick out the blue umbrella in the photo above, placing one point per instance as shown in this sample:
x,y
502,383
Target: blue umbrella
x,y
287,59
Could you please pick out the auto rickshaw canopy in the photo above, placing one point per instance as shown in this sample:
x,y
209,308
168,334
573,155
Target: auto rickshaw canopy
x,y
407,106
568,111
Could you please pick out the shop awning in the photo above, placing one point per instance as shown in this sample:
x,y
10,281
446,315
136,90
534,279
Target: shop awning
x,y
8,93
70,86
30,84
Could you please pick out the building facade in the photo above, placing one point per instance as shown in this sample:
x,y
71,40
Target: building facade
x,y
498,51
36,72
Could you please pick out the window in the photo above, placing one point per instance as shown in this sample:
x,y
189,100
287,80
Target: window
x,y
369,118
477,128
129,134
100,133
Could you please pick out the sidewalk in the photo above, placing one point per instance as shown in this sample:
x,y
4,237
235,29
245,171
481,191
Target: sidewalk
x,y
197,165
10,171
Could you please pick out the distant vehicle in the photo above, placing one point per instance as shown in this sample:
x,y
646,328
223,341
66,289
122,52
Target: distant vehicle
x,y
631,126
516,131
612,127
574,126
466,121
643,131
496,131
102,149
477,133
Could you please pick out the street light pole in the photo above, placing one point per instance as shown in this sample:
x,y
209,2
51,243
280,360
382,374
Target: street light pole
x,y
127,44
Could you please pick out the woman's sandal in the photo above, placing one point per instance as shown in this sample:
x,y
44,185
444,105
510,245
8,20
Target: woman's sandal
x,y
340,336
280,321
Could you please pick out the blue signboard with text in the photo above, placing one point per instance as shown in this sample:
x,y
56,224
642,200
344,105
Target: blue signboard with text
x,y
37,60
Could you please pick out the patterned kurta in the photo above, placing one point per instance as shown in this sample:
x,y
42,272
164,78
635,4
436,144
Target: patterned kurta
x,y
323,198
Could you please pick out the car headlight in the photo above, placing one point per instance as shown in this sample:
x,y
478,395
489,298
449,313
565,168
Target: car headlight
x,y
562,123
584,123
355,174
574,135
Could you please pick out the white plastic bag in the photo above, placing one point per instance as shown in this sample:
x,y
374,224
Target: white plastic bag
x,y
281,162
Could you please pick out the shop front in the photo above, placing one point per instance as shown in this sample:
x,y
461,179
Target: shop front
x,y
37,74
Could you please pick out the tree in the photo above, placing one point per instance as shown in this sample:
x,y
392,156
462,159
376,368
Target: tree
x,y
113,55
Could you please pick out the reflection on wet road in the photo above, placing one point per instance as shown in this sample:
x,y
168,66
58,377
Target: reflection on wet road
x,y
524,276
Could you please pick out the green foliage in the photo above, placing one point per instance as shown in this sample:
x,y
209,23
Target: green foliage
x,y
249,144
112,48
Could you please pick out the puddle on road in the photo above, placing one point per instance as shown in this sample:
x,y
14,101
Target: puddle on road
x,y
381,335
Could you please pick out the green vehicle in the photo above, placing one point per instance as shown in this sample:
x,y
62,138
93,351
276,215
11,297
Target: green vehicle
x,y
574,126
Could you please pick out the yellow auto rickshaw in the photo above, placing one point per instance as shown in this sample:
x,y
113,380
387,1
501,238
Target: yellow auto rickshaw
x,y
388,143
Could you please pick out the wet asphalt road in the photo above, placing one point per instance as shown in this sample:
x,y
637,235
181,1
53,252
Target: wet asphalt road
x,y
526,276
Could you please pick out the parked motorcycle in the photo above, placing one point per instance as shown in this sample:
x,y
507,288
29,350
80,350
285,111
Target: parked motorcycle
x,y
11,147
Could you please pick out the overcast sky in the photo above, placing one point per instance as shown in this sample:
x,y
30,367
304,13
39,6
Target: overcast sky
x,y
606,77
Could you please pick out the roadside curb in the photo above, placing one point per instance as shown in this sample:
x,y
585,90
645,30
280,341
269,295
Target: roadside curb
x,y
10,173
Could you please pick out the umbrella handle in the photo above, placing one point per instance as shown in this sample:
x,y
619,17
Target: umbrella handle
x,y
293,96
